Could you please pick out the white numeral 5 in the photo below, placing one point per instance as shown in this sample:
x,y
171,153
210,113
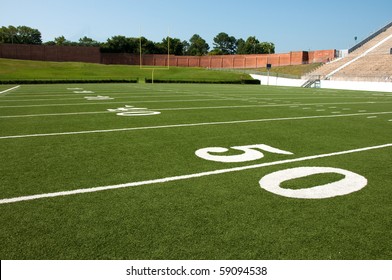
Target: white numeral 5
x,y
250,153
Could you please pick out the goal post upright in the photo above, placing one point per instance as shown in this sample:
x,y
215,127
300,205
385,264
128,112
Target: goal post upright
x,y
168,48
140,47
141,54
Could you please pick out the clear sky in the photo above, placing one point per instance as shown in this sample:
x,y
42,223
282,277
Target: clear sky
x,y
290,25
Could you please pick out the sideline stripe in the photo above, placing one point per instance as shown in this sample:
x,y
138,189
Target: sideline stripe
x,y
185,125
193,108
185,177
4,91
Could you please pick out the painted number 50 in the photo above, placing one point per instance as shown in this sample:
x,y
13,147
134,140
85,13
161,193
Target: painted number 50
x,y
351,182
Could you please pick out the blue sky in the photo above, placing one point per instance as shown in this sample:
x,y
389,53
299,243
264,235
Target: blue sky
x,y
291,25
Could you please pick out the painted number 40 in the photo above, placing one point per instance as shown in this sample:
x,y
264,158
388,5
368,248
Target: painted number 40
x,y
351,182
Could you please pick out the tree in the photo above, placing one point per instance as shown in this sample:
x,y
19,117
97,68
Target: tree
x,y
20,35
148,47
267,47
253,46
121,44
175,45
185,48
224,44
61,41
198,46
88,42
241,49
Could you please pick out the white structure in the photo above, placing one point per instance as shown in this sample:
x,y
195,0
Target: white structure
x,y
349,85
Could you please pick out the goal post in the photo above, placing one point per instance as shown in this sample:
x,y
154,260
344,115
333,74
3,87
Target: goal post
x,y
142,66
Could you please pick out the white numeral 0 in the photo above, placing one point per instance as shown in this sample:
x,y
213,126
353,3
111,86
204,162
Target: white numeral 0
x,y
351,182
250,153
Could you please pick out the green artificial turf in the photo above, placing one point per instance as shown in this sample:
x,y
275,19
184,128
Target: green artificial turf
x,y
221,216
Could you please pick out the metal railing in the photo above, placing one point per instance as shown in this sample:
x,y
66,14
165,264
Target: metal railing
x,y
372,36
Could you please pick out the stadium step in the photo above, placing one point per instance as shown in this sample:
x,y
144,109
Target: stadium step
x,y
309,83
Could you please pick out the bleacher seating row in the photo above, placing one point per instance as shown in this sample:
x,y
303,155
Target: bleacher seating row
x,y
372,61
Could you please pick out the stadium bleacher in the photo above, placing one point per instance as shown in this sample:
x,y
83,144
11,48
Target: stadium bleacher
x,y
370,60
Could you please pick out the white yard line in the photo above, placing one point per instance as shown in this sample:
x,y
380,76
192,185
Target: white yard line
x,y
117,102
176,100
7,90
191,108
186,125
185,177
261,97
54,114
92,95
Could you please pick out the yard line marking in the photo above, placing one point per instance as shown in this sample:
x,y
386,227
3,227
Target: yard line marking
x,y
180,109
40,99
7,90
129,94
117,102
83,95
185,125
185,177
318,97
54,114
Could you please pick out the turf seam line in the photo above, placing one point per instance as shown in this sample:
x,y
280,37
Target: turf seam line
x,y
187,125
184,177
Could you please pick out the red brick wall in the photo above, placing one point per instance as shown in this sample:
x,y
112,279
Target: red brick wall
x,y
50,53
226,61
118,58
229,61
93,54
321,56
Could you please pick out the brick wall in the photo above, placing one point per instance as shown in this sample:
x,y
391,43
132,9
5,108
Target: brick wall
x,y
93,54
321,56
227,61
50,53
118,58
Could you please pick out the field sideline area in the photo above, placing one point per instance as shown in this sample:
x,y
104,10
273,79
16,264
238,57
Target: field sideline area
x,y
183,171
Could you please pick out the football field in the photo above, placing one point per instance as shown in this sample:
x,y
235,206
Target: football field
x,y
188,171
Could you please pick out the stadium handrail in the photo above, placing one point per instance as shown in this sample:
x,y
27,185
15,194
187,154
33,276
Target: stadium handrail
x,y
367,39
